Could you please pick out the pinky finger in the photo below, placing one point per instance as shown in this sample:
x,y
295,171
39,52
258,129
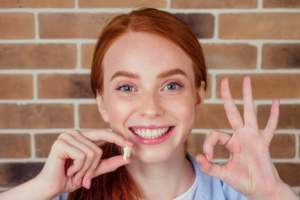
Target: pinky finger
x,y
273,120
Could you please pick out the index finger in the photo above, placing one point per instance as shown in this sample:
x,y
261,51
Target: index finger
x,y
105,135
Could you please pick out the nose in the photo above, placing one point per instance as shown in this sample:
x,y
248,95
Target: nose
x,y
150,106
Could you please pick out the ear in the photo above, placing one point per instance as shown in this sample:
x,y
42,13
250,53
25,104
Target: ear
x,y
101,107
200,96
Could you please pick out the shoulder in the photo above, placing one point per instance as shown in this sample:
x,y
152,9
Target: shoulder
x,y
211,188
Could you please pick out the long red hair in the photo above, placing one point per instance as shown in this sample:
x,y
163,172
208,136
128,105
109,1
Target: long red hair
x,y
119,184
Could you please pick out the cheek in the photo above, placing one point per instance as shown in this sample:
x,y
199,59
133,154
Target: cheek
x,y
119,110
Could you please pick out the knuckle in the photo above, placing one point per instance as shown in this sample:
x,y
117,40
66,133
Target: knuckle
x,y
58,143
81,156
91,154
99,152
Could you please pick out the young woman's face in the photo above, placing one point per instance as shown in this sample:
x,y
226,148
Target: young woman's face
x,y
149,89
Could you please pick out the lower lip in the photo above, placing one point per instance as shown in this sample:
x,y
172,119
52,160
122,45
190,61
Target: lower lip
x,y
154,141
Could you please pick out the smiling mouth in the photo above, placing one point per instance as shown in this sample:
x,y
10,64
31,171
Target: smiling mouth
x,y
150,133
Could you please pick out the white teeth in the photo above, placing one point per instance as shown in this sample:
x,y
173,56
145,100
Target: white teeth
x,y
151,133
159,132
154,133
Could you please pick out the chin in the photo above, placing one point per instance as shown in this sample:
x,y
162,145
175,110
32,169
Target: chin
x,y
154,155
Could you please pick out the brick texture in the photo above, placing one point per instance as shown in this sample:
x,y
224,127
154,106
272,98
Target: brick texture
x,y
259,26
281,56
283,146
213,116
51,86
195,142
121,3
43,144
90,117
37,56
289,117
213,4
87,52
281,4
264,86
17,86
15,146
13,174
12,23
289,173
72,25
36,116
201,24
230,56
36,4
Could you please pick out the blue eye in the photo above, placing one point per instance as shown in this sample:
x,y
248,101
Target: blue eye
x,y
126,88
173,86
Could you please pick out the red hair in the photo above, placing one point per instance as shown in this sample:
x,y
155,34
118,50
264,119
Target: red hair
x,y
119,184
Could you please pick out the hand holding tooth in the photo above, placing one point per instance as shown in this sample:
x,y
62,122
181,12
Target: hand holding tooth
x,y
75,159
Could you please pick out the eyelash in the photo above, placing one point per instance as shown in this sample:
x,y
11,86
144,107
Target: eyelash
x,y
126,85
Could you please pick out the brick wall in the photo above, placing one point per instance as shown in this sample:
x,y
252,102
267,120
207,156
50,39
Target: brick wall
x,y
45,56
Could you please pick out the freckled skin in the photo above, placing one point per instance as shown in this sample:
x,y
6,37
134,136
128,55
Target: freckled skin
x,y
150,102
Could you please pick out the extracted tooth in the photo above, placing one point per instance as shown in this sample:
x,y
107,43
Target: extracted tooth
x,y
126,153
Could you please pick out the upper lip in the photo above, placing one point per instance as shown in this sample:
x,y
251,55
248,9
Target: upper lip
x,y
151,126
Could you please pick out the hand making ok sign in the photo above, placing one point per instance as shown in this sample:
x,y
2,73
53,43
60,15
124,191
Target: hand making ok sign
x,y
249,169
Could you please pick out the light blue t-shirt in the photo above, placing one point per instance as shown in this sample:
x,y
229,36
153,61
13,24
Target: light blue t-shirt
x,y
208,187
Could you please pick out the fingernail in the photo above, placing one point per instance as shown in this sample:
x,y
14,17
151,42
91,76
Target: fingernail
x,y
88,184
128,142
207,156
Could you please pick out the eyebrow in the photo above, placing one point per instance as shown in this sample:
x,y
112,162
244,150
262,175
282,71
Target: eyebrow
x,y
164,74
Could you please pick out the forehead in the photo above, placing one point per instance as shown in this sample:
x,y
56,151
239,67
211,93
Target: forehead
x,y
145,53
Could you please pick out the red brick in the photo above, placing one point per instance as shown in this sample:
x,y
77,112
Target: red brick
x,y
289,117
43,144
64,86
90,117
87,52
264,86
16,26
214,4
208,89
13,174
230,56
36,116
38,56
121,3
17,86
72,25
289,173
195,143
36,4
283,146
14,145
201,24
281,56
213,116
281,4
259,26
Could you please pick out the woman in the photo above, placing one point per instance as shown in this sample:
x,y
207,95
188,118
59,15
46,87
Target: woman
x,y
149,79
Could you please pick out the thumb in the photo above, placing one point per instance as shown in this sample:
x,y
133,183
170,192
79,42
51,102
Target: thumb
x,y
110,164
210,168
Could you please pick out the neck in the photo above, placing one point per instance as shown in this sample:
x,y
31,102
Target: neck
x,y
165,180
